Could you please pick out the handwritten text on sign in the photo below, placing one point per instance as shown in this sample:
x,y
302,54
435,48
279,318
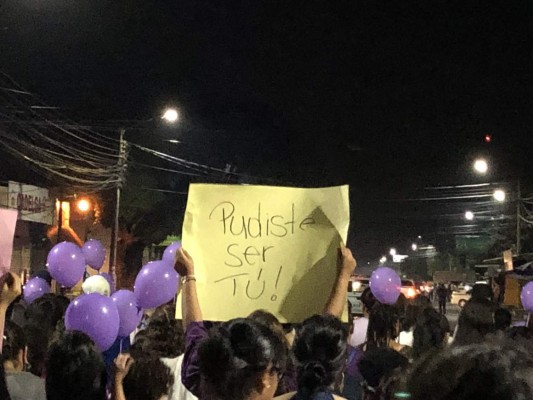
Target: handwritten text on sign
x,y
259,247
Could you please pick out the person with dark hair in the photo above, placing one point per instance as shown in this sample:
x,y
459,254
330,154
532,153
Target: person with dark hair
x,y
431,332
412,312
21,385
288,382
196,331
360,324
442,296
163,338
488,371
482,291
46,311
75,369
475,322
383,328
378,367
145,378
4,394
320,355
10,289
502,319
241,359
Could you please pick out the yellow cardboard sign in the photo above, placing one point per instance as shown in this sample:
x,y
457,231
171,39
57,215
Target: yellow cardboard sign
x,y
261,247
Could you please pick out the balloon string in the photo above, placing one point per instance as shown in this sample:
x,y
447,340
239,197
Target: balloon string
x,y
121,339
528,317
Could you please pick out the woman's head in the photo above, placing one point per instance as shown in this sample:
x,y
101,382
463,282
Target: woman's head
x,y
148,379
431,332
46,311
14,347
239,359
320,353
368,300
268,319
378,367
475,322
75,369
502,319
163,337
489,371
383,326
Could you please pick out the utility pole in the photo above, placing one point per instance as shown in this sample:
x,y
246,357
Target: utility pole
x,y
518,217
115,229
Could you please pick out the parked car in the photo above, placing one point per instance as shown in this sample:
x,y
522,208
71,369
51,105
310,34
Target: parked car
x,y
461,295
355,289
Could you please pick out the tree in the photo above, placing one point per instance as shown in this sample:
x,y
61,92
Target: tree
x,y
147,216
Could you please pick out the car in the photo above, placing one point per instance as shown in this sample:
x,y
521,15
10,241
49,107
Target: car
x,y
355,289
409,289
461,295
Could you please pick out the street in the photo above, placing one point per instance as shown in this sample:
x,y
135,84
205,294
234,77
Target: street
x,y
452,313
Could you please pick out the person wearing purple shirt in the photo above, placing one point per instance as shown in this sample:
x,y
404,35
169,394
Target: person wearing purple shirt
x,y
196,331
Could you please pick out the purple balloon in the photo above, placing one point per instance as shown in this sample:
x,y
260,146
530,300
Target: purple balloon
x,y
526,297
66,264
170,253
386,285
156,284
94,253
129,312
96,316
35,288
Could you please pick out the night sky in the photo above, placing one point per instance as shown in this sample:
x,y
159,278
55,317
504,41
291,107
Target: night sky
x,y
388,96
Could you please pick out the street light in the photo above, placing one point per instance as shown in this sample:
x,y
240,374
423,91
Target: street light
x,y
481,166
383,260
499,195
414,247
83,205
469,215
392,252
170,115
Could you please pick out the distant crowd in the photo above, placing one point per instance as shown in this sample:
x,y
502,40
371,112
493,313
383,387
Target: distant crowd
x,y
405,350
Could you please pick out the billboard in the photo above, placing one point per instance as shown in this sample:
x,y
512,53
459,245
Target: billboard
x,y
33,203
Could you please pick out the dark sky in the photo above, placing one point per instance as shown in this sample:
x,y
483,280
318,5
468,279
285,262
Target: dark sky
x,y
388,96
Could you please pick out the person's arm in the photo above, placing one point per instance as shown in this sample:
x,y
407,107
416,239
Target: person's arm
x,y
338,297
190,306
123,365
195,331
10,289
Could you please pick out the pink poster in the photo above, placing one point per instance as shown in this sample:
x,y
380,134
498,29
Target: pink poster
x,y
8,221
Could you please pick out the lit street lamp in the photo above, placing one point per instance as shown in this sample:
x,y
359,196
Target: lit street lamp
x,y
383,260
392,252
414,247
481,166
170,115
469,215
499,195
83,205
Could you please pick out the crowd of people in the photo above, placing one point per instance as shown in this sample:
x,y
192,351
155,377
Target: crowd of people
x,y
405,350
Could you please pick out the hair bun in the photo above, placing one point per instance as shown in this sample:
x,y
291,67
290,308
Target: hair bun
x,y
314,375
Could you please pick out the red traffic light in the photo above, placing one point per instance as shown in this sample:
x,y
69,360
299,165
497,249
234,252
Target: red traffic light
x,y
488,138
